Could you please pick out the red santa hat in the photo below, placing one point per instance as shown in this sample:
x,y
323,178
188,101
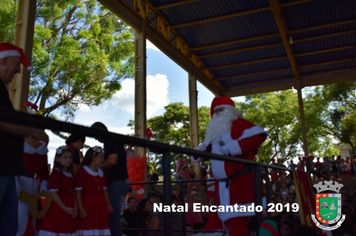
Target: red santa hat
x,y
9,50
31,107
220,102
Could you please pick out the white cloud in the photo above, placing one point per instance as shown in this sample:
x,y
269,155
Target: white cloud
x,y
157,95
117,112
150,45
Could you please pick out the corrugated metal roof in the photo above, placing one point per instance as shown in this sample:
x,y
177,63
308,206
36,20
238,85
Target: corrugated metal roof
x,y
228,29
321,33
232,58
318,12
326,57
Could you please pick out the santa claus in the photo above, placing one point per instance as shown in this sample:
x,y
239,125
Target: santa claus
x,y
229,134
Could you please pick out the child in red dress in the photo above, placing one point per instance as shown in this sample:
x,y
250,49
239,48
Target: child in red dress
x,y
60,218
92,197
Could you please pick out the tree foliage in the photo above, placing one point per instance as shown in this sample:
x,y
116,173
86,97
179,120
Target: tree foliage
x,y
8,15
80,52
173,127
277,114
339,120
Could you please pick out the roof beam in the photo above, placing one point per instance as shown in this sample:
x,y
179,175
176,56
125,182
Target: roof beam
x,y
285,86
253,74
265,89
287,69
274,35
240,50
160,37
221,17
324,26
280,58
236,14
174,4
285,78
325,50
276,10
323,36
235,41
327,63
246,63
276,44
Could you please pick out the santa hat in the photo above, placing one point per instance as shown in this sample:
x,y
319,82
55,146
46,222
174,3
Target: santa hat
x,y
31,107
9,50
220,102
268,228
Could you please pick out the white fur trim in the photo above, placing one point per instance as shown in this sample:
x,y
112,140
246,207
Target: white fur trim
x,y
9,53
255,130
44,186
218,169
220,106
202,147
79,188
196,159
93,173
41,150
90,232
48,233
234,148
224,195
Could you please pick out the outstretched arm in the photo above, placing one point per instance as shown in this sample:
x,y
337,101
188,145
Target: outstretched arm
x,y
25,131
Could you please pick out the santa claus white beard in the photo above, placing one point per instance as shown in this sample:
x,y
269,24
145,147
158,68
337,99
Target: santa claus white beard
x,y
220,124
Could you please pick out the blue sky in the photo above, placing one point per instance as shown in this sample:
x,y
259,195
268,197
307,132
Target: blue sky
x,y
166,83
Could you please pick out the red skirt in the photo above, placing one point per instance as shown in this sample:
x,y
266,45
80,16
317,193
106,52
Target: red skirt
x,y
96,222
57,223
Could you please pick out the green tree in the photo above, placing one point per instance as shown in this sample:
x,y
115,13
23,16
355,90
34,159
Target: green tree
x,y
275,112
173,127
8,11
81,50
339,118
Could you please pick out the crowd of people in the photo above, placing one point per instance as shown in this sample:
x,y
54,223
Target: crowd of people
x,y
282,188
332,168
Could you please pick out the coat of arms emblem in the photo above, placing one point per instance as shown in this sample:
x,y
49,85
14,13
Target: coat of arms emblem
x,y
328,206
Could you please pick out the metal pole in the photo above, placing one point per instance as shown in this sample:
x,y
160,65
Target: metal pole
x,y
268,191
167,200
258,199
182,194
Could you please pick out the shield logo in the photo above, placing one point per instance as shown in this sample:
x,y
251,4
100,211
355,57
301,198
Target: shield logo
x,y
328,208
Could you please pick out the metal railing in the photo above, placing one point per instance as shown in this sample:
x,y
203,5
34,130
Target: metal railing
x,y
166,149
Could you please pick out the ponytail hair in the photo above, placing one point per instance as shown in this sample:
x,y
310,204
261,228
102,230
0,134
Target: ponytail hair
x,y
88,157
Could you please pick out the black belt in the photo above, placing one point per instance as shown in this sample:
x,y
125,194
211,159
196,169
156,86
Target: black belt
x,y
30,175
244,170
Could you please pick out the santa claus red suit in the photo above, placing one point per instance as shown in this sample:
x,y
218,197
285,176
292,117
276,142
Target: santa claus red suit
x,y
230,135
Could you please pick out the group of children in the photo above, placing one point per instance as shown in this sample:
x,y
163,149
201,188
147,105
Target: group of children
x,y
81,204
